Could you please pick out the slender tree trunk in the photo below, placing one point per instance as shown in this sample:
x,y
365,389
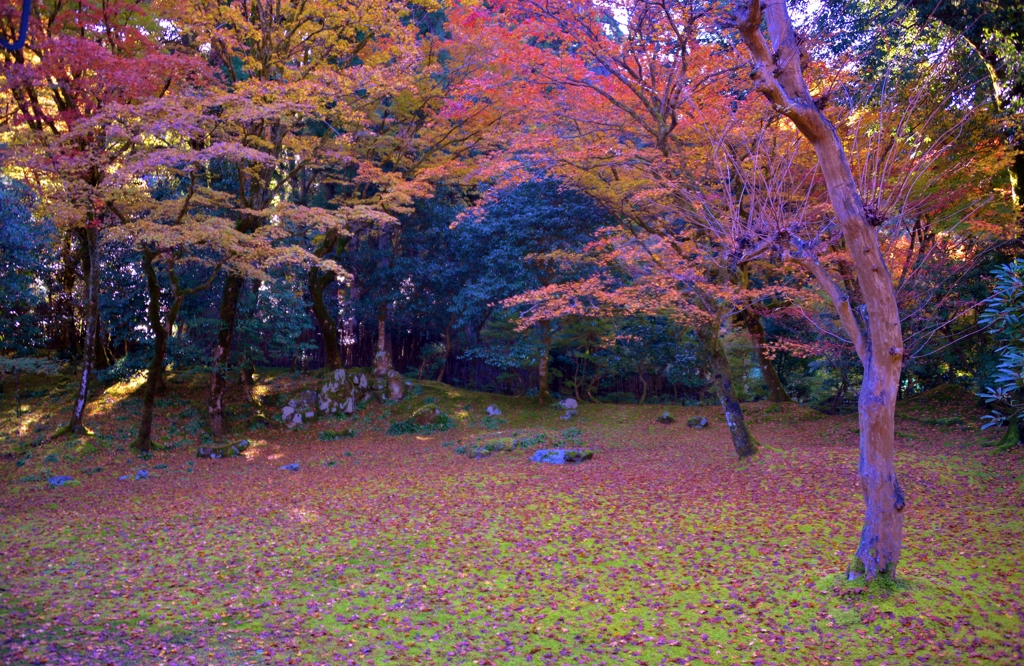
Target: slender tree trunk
x,y
877,336
742,440
776,391
382,359
447,350
91,268
17,393
218,379
325,322
543,390
143,441
318,281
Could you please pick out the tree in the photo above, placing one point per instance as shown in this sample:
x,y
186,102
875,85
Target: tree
x,y
76,62
291,79
421,128
24,253
523,235
617,98
778,75
1003,317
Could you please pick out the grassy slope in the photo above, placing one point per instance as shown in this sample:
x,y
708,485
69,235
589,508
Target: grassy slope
x,y
663,549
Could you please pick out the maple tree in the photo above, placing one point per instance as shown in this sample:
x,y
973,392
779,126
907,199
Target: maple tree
x,y
618,115
702,166
291,75
873,322
75,62
414,133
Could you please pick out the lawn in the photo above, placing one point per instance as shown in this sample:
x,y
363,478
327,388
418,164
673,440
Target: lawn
x,y
662,549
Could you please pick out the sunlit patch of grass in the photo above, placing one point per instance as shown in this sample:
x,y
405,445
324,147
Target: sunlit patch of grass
x,y
111,398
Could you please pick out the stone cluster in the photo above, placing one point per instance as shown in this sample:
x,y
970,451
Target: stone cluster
x,y
340,394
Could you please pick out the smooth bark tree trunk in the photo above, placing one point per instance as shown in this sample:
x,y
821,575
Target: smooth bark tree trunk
x,y
876,335
742,441
91,268
218,380
776,391
543,388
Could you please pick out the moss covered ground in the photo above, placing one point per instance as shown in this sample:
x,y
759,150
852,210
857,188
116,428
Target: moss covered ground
x,y
662,549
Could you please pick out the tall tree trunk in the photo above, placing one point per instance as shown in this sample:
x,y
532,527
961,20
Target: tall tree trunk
x,y
91,268
742,440
218,380
447,347
143,441
779,77
776,391
543,390
382,359
318,281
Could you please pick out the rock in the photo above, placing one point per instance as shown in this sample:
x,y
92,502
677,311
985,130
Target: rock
x,y
298,409
338,395
697,422
492,410
569,403
381,364
291,467
225,451
57,481
426,415
561,456
396,385
141,474
665,418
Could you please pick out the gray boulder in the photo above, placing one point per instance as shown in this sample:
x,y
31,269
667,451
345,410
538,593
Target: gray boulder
x,y
223,451
561,456
396,385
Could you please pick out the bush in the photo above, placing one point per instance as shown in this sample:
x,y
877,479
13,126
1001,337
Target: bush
x,y
333,435
419,425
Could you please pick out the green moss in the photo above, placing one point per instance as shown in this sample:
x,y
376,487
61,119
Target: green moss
x,y
332,435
